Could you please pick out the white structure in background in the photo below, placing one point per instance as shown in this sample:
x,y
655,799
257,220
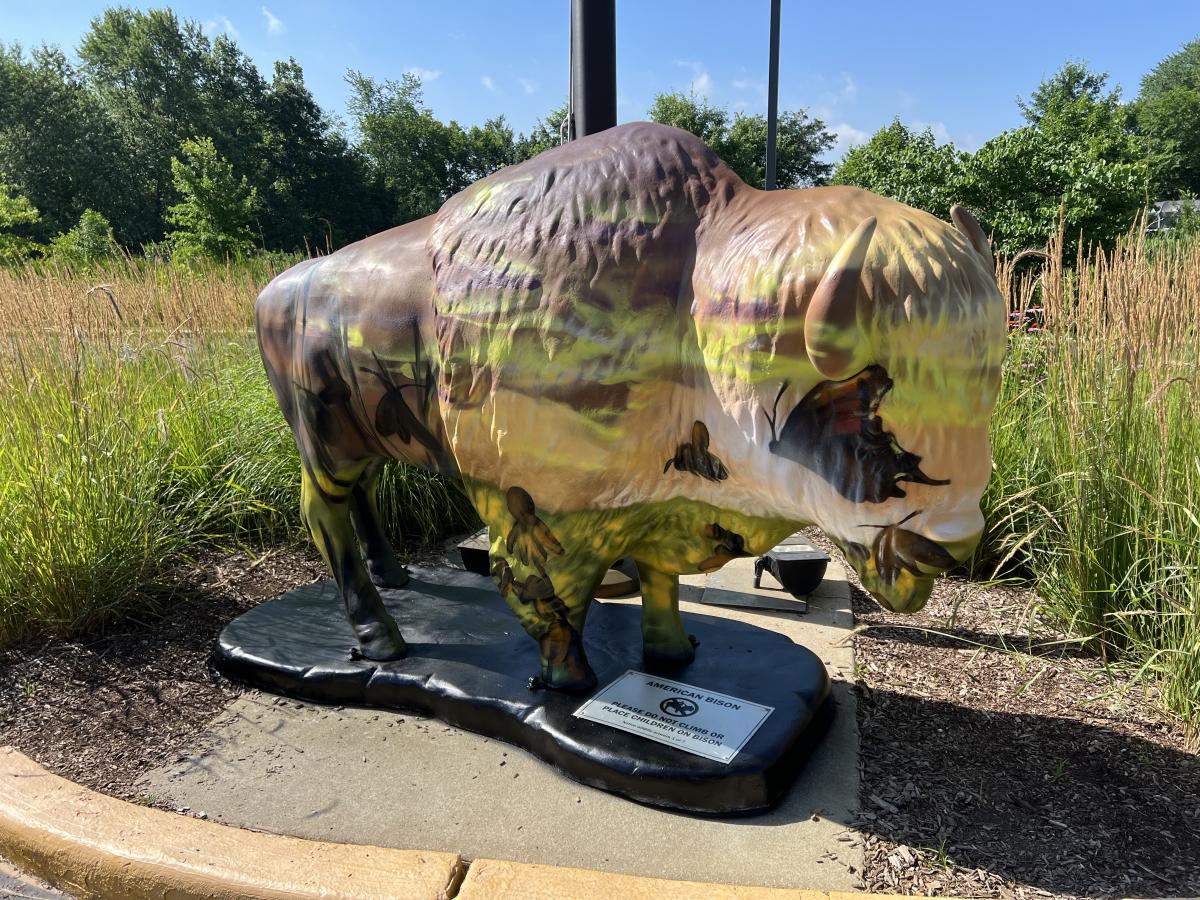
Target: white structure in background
x,y
1163,215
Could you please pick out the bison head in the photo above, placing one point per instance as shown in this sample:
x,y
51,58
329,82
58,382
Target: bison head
x,y
920,323
870,357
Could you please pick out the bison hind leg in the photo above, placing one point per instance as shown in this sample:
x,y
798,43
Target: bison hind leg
x,y
325,505
383,566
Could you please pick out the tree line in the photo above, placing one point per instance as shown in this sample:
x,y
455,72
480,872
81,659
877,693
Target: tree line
x,y
163,139
1082,155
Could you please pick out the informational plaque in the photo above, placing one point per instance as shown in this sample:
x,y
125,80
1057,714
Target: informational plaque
x,y
696,720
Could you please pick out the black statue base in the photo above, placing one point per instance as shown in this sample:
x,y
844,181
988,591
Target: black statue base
x,y
469,664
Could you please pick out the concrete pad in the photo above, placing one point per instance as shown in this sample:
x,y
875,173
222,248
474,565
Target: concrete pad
x,y
395,780
97,846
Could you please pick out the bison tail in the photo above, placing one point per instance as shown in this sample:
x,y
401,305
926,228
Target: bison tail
x,y
275,324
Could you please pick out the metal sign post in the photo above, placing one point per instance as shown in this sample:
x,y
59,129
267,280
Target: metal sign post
x,y
773,95
593,66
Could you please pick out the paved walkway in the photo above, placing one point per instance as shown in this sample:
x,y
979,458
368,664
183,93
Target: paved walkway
x,y
372,776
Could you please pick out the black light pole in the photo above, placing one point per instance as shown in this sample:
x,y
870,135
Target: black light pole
x,y
773,95
593,66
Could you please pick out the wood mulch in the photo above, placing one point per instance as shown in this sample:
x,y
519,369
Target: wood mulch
x,y
105,709
1000,760
997,761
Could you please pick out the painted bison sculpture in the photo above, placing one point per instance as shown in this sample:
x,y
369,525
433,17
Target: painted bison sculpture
x,y
620,349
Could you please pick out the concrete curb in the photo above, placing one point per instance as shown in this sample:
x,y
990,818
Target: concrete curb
x,y
491,879
97,846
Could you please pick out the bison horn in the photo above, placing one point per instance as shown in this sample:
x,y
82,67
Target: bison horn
x,y
831,335
969,226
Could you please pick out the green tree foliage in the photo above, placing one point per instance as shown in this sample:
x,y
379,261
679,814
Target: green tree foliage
x,y
57,145
1077,153
1168,114
482,149
1064,92
705,120
214,217
545,135
89,242
102,135
420,160
906,165
17,216
742,140
314,188
407,146
161,81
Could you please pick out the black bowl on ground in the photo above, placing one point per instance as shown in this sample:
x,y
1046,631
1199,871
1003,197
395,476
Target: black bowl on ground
x,y
798,567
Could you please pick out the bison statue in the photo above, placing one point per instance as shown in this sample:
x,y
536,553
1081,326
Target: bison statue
x,y
620,349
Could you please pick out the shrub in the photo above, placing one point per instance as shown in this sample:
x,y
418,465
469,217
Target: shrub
x,y
17,214
217,208
89,242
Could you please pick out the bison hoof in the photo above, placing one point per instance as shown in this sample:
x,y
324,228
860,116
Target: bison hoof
x,y
568,682
379,643
669,656
390,574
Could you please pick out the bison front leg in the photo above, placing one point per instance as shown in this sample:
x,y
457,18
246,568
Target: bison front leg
x,y
665,643
554,618
385,569
325,504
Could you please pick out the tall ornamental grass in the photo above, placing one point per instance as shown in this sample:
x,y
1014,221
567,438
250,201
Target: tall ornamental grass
x,y
1096,441
136,426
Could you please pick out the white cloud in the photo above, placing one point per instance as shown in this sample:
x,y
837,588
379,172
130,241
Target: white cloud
x,y
487,82
847,136
219,25
530,86
426,75
820,91
274,23
701,83
940,133
749,84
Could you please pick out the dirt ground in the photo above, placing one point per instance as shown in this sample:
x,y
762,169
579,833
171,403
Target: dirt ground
x,y
997,761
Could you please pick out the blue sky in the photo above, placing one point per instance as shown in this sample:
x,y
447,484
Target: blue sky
x,y
957,67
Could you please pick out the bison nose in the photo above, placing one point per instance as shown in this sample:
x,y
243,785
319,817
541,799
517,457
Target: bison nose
x,y
906,593
962,548
898,590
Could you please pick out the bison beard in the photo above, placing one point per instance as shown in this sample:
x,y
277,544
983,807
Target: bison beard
x,y
836,432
